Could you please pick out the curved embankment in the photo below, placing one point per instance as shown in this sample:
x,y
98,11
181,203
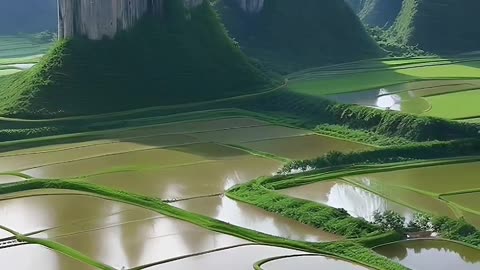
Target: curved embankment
x,y
306,262
345,250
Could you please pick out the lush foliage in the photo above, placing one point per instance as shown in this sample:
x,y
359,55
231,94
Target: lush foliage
x,y
443,26
327,218
392,46
388,155
289,35
178,58
379,12
448,228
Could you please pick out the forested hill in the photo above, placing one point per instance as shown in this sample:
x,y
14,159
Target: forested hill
x,y
381,13
27,16
297,34
180,55
440,26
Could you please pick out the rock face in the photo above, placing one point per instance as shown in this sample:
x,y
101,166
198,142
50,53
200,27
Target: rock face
x,y
97,19
251,6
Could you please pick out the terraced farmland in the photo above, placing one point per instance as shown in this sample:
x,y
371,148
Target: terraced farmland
x,y
19,53
187,164
428,86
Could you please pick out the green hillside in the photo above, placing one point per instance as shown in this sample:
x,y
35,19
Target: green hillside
x,y
440,26
180,58
291,35
380,12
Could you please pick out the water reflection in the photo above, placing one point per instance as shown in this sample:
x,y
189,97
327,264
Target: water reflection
x,y
432,255
356,201
243,215
311,262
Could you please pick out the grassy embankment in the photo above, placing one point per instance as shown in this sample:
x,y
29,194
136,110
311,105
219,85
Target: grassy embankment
x,y
348,250
261,192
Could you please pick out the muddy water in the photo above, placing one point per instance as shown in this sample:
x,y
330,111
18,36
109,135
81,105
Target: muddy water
x,y
468,200
16,161
134,159
356,201
240,258
432,255
35,213
28,257
251,217
304,147
471,218
233,136
189,181
191,127
4,179
134,243
311,262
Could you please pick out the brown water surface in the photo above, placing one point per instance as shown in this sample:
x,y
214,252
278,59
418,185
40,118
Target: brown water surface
x,y
4,179
436,179
311,262
33,257
191,180
240,258
356,201
134,159
250,217
304,147
134,243
432,255
235,136
36,213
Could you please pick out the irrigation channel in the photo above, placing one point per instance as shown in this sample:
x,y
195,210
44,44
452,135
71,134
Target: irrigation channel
x,y
154,197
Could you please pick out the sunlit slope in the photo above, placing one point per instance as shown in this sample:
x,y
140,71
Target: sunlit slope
x,y
180,58
290,35
441,26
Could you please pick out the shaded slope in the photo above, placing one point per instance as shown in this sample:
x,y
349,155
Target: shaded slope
x,y
440,26
28,16
180,58
297,34
380,12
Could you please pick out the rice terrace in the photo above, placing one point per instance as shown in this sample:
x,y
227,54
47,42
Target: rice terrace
x,y
240,134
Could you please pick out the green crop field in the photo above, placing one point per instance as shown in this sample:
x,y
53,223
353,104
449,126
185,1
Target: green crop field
x,y
458,105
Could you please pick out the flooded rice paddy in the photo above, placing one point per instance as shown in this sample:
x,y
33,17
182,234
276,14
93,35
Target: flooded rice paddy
x,y
190,161
311,262
303,147
356,201
432,255
28,257
428,188
244,215
239,258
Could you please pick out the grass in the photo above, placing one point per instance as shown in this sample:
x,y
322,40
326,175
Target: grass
x,y
376,74
457,105
184,59
12,47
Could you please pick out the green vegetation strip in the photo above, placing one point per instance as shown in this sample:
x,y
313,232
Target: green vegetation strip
x,y
72,253
348,250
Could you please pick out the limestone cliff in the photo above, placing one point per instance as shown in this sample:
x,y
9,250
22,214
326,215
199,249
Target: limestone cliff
x,y
251,6
96,19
